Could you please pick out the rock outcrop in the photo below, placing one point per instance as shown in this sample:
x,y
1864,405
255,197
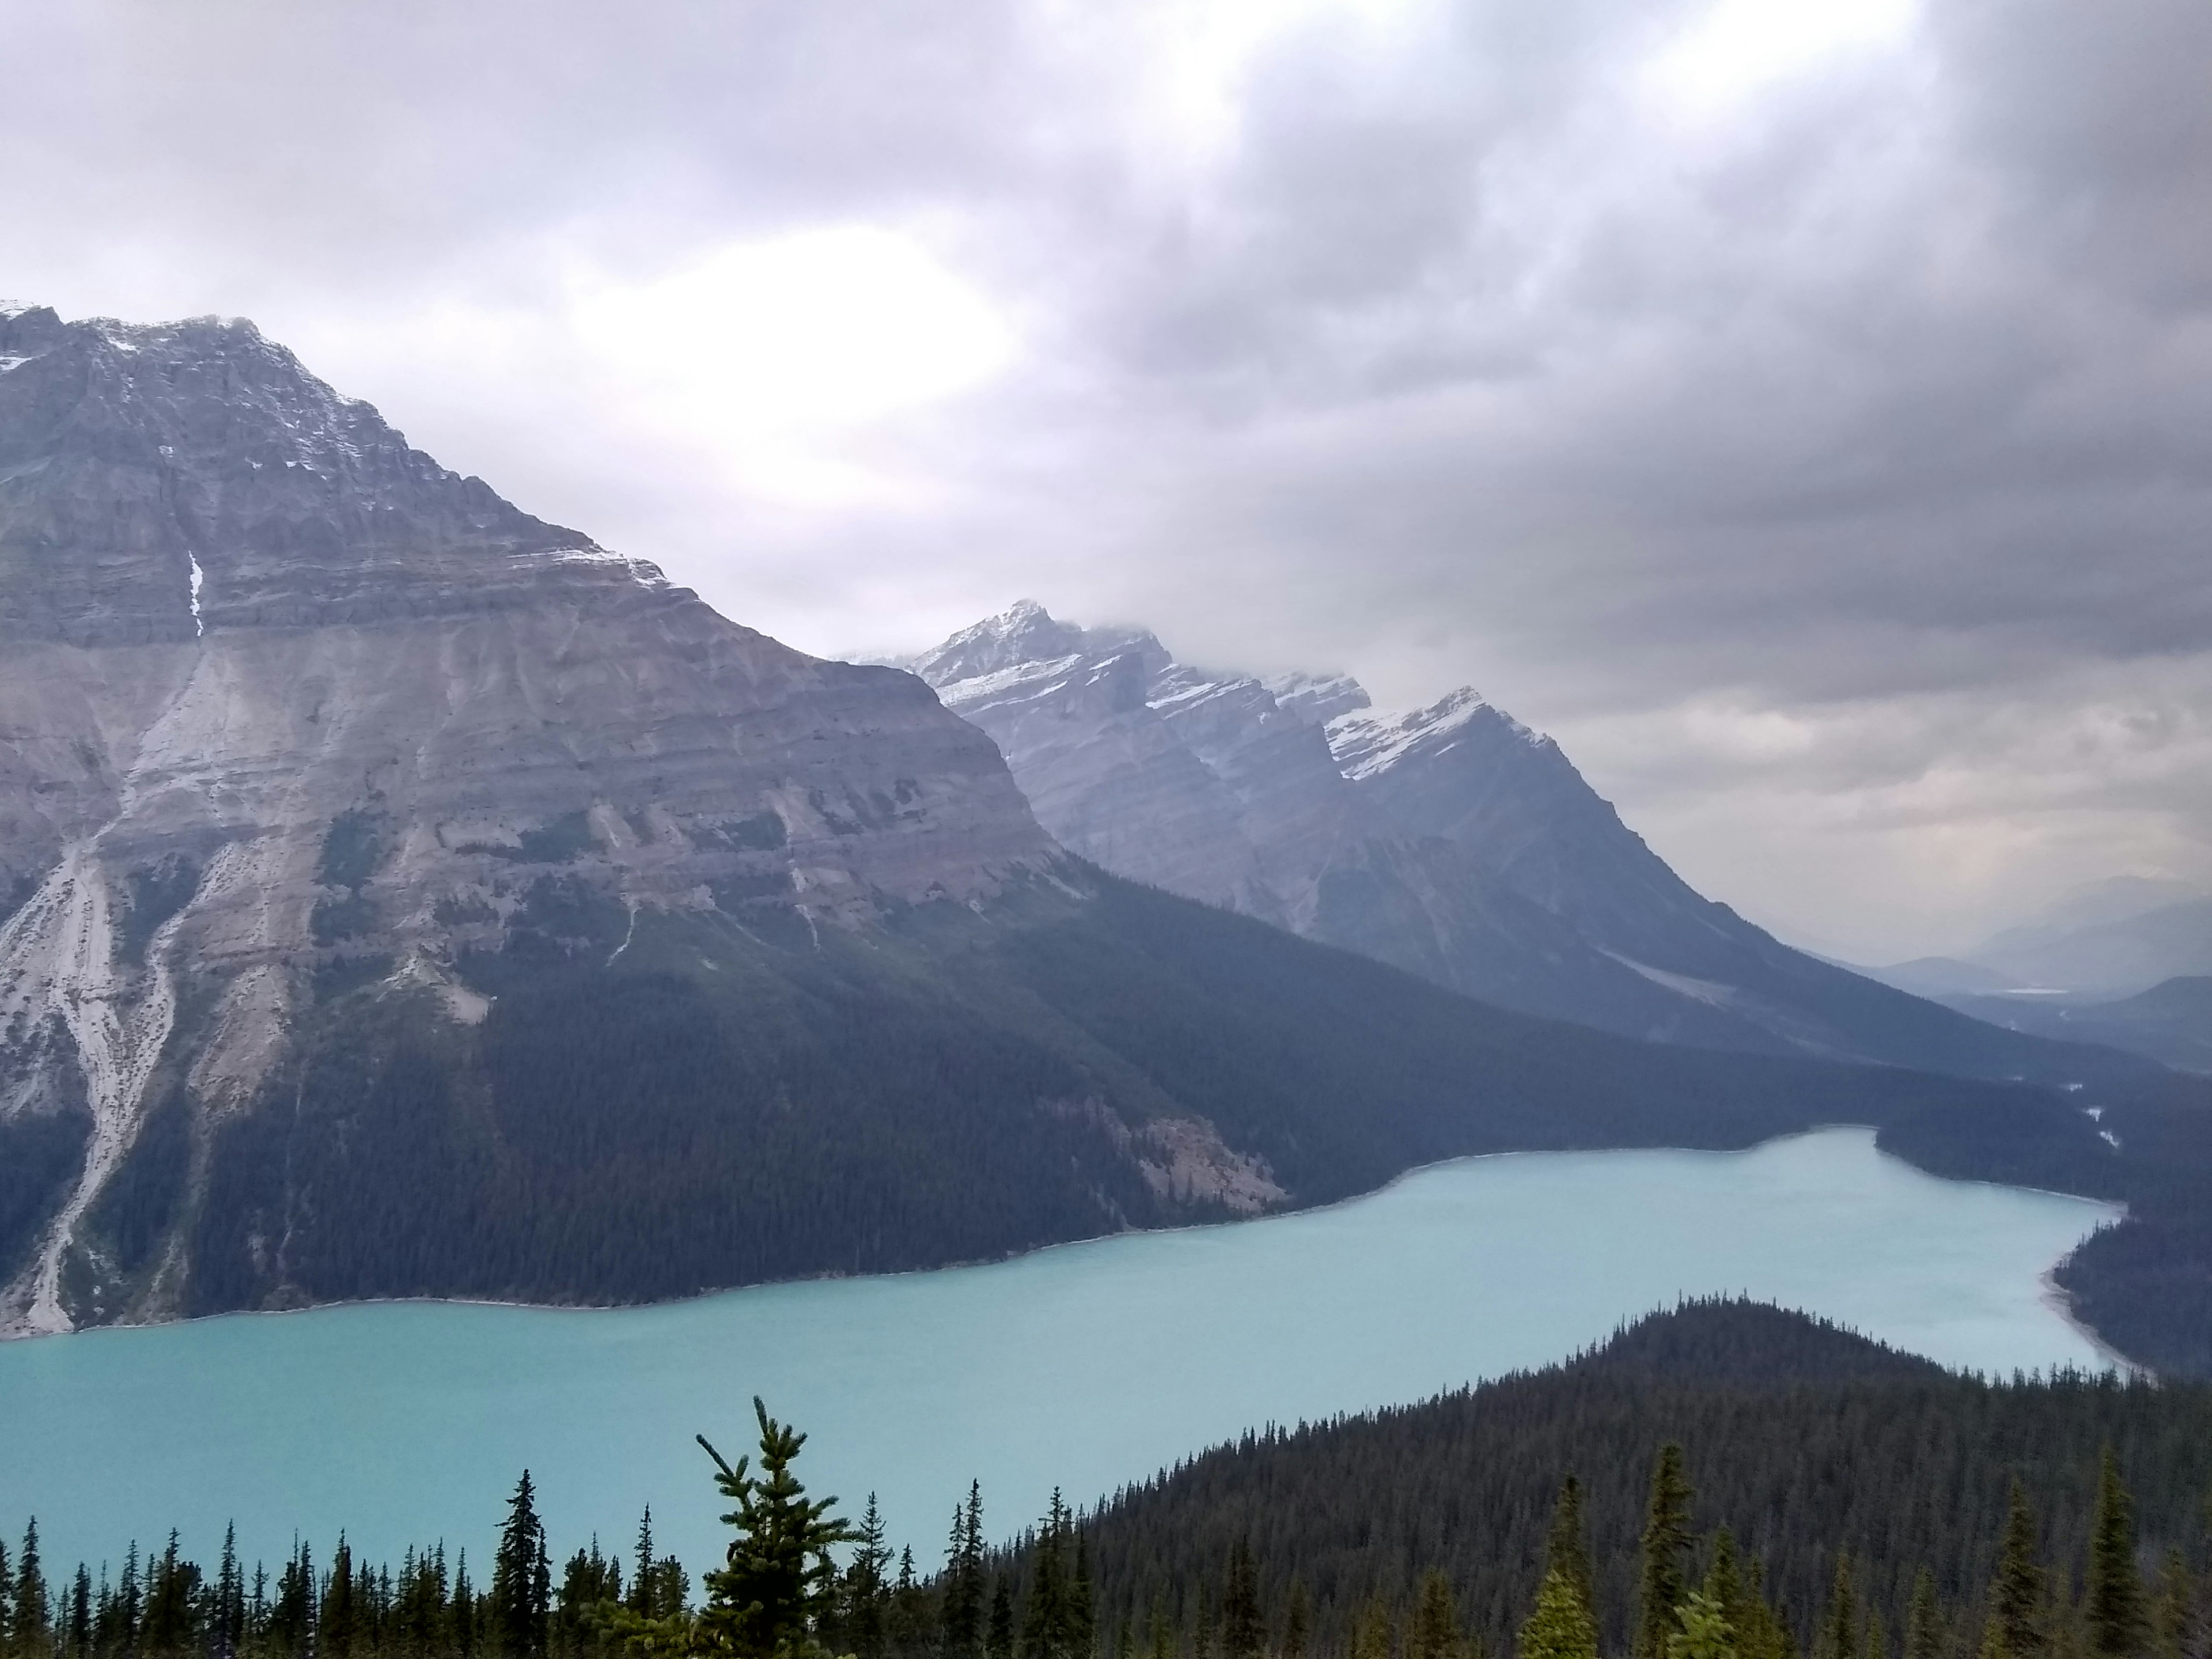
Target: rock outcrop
x,y
279,693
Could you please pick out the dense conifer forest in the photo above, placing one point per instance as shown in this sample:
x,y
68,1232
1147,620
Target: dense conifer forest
x,y
740,1100
1723,1481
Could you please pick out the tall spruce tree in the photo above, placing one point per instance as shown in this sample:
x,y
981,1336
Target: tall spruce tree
x,y
1665,1541
1560,1625
1297,1622
2117,1625
777,1579
961,1606
521,1601
1924,1620
1435,1631
2174,1613
1566,1550
2015,1602
1000,1640
1839,1627
866,1590
337,1637
29,1616
1244,1635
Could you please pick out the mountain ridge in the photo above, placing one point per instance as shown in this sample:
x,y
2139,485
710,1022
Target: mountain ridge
x,y
1451,841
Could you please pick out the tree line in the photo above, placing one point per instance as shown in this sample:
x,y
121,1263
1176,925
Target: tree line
x,y
1809,1495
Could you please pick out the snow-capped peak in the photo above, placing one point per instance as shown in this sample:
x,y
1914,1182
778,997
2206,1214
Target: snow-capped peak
x,y
1366,743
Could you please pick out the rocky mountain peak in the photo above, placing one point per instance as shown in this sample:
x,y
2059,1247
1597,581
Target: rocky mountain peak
x,y
160,481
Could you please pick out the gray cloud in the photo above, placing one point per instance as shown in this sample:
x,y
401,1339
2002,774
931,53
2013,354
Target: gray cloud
x,y
1823,459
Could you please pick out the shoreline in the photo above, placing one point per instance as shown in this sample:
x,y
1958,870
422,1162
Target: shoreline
x,y
2051,1295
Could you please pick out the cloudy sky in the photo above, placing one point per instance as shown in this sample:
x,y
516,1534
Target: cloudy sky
x,y
1800,408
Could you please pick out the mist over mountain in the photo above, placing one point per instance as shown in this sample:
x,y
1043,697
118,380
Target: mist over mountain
x,y
1450,840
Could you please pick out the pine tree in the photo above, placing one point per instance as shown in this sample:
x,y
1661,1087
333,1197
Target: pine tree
x,y
7,1601
1705,1632
172,1606
1374,1633
80,1615
1242,1634
292,1619
520,1603
1567,1550
461,1620
999,1643
28,1614
1435,1631
1924,1621
337,1630
1560,1627
1724,1583
962,1609
227,1627
1839,1630
2173,1618
2016,1593
1297,1624
641,1583
2117,1622
1666,1539
866,1590
778,1578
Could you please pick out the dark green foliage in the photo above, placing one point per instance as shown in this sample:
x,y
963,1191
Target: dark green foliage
x,y
1566,1550
154,893
961,1589
777,1580
28,1612
1665,1544
143,1196
2015,1600
2119,1625
664,1103
1243,1631
39,1152
352,846
1433,1633
1560,1627
519,1609
334,921
1924,1620
1805,1440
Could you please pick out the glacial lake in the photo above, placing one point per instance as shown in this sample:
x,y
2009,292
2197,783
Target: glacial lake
x,y
1084,1366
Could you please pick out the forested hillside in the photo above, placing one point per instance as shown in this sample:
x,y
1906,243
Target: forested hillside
x,y
655,1105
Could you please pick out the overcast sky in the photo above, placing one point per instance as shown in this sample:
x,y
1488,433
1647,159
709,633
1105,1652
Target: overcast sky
x,y
1802,409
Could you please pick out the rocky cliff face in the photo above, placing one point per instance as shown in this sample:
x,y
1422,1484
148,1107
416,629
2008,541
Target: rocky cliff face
x,y
279,693
1450,840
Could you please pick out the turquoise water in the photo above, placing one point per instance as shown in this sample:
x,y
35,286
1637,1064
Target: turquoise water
x,y
1086,1365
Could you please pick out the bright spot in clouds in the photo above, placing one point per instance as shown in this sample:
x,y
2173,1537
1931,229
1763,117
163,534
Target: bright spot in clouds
x,y
1739,47
826,328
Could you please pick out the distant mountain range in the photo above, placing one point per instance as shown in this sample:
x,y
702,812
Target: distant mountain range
x,y
401,894
1451,841
2123,963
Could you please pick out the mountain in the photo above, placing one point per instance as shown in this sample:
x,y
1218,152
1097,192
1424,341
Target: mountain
x,y
400,895
2170,1022
2112,958
1451,841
